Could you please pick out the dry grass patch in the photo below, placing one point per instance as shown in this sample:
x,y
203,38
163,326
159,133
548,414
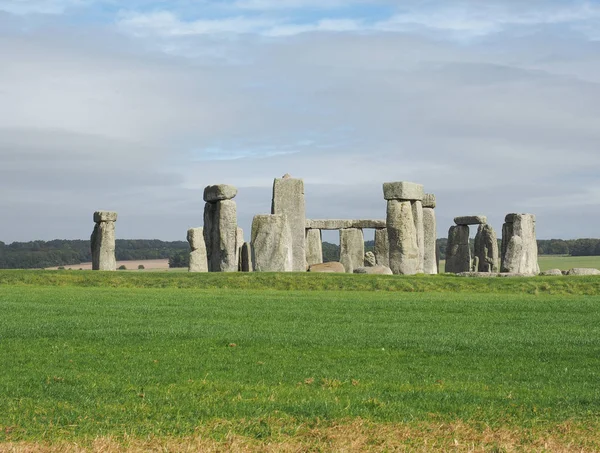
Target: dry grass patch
x,y
354,436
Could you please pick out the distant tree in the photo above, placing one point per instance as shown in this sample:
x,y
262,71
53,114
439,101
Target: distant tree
x,y
122,267
179,259
141,267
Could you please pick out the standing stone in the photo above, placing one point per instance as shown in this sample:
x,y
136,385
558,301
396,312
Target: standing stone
x,y
271,243
314,247
486,249
352,248
198,259
417,212
288,200
370,260
430,260
403,249
103,241
519,245
220,235
246,258
458,254
382,247
239,242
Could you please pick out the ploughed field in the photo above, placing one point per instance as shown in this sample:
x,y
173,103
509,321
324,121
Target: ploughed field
x,y
297,361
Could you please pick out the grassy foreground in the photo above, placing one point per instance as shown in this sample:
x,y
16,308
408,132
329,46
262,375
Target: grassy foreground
x,y
186,368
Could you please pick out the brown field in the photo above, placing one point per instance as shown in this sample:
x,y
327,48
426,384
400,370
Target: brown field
x,y
162,264
353,436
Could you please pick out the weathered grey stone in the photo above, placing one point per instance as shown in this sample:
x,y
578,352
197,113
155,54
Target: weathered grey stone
x,y
430,262
486,249
403,250
103,246
352,248
314,247
552,272
458,254
198,258
519,245
370,259
470,220
332,266
219,192
339,224
478,274
382,247
105,216
403,190
271,243
239,242
288,200
246,258
475,264
195,237
377,269
220,236
417,212
583,271
429,200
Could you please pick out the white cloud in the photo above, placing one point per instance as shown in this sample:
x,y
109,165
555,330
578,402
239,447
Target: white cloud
x,y
39,6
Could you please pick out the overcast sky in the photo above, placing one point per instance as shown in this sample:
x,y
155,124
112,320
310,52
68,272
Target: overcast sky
x,y
136,106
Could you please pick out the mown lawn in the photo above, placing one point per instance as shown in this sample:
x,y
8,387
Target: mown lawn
x,y
132,363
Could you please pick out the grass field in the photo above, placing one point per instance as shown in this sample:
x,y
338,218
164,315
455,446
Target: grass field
x,y
177,362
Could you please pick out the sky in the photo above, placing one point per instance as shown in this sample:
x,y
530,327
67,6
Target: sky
x,y
137,106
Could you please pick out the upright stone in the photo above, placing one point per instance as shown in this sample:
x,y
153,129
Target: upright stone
x,y
246,258
271,243
403,249
430,262
519,245
382,247
352,249
370,260
486,249
458,254
103,241
417,212
239,242
288,200
220,235
198,258
314,247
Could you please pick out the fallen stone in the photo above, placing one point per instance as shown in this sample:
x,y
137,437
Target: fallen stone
x,y
470,220
332,266
430,264
377,269
219,192
314,247
403,250
105,216
550,272
382,247
478,274
288,200
403,190
352,248
429,200
583,271
271,243
458,254
370,259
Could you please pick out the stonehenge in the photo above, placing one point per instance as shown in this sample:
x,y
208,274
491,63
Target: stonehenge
x,y
288,200
352,248
430,251
314,246
103,241
458,251
272,243
198,258
220,228
519,245
486,249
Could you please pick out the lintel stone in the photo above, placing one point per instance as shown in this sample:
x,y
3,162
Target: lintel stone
x,y
510,218
403,190
429,200
105,216
340,224
219,192
471,220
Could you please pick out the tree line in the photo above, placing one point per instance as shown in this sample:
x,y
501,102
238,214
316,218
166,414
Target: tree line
x,y
62,252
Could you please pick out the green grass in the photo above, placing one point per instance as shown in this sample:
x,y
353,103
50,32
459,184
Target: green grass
x,y
565,263
84,361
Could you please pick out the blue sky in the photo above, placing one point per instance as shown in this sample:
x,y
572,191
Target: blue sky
x,y
136,106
